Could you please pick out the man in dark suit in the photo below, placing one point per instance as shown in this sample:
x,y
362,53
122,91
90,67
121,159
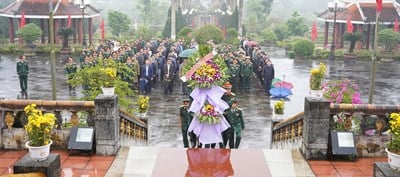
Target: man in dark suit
x,y
169,77
146,76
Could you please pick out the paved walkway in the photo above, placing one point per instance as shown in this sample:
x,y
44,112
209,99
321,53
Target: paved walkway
x,y
96,166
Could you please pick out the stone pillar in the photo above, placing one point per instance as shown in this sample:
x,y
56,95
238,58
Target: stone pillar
x,y
11,29
316,128
367,41
80,30
43,36
106,125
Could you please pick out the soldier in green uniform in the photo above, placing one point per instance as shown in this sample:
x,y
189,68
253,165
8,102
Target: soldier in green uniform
x,y
228,97
70,70
23,71
246,72
234,72
236,117
185,119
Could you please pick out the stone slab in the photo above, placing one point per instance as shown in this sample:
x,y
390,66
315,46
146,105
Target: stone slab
x,y
51,167
382,169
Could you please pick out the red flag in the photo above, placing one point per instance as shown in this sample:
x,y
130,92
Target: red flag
x,y
102,29
378,5
22,23
396,25
314,32
69,21
349,26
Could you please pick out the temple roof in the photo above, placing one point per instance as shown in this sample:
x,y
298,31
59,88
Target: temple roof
x,y
363,13
40,9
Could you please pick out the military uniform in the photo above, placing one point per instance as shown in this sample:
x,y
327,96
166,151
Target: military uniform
x,y
186,118
236,119
70,70
228,135
234,72
23,71
246,72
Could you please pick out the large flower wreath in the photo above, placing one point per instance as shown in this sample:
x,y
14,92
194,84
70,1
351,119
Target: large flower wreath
x,y
205,73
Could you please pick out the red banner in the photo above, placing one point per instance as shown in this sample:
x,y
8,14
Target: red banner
x,y
189,74
22,23
314,32
102,28
69,21
378,5
349,25
396,25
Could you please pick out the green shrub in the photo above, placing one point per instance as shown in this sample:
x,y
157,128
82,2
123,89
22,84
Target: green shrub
x,y
321,53
10,48
30,33
291,54
208,32
269,36
185,33
232,37
389,38
303,48
363,53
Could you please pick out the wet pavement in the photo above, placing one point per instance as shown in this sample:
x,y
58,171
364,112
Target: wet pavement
x,y
164,130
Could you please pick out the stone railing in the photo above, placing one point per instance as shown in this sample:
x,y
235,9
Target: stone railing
x,y
288,134
309,130
68,114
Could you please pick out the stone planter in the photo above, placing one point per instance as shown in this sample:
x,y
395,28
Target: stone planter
x,y
393,159
39,153
108,90
316,93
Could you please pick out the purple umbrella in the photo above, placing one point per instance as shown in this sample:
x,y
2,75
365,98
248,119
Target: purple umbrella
x,y
284,84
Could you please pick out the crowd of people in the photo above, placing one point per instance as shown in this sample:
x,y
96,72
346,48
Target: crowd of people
x,y
157,63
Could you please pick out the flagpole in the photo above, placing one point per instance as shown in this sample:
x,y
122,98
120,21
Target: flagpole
x,y
373,61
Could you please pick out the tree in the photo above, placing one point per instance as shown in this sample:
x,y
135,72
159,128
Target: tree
x,y
296,25
118,22
180,22
352,38
147,10
257,12
207,32
30,33
65,33
389,38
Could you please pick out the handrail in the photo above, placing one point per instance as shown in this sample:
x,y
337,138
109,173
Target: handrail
x,y
131,118
57,105
365,108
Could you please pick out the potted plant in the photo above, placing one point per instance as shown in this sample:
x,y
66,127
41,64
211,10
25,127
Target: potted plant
x,y
65,33
279,107
316,79
390,39
342,91
39,128
352,37
393,147
108,76
143,103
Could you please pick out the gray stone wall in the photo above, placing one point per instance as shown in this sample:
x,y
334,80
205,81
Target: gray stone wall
x,y
107,125
316,128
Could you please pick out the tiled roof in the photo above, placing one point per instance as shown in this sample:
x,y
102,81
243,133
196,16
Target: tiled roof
x,y
40,8
362,13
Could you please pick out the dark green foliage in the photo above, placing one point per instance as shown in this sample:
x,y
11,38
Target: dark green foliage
x,y
303,48
233,20
291,54
186,34
232,37
65,33
30,33
269,36
321,53
352,38
118,22
389,38
180,22
208,32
